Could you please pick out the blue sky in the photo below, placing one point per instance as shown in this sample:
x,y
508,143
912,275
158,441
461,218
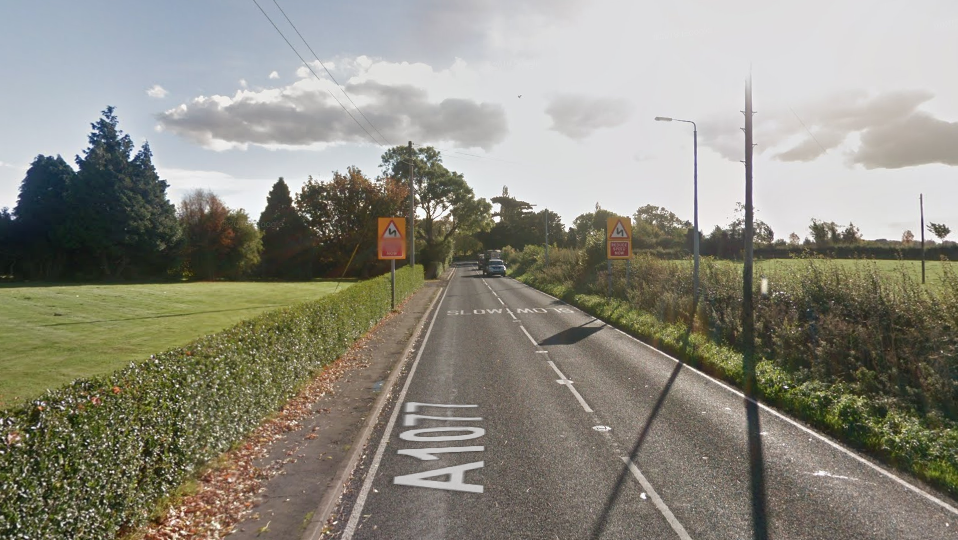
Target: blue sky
x,y
857,106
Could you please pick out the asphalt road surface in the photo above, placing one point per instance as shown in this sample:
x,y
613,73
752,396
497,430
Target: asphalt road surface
x,y
523,417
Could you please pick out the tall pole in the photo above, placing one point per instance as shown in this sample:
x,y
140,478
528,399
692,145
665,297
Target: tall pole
x,y
755,452
547,237
921,203
695,202
412,209
748,313
392,280
695,214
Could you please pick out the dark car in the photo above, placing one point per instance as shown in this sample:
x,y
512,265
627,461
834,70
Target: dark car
x,y
495,267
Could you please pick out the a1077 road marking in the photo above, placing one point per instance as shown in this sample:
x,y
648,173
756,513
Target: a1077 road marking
x,y
458,432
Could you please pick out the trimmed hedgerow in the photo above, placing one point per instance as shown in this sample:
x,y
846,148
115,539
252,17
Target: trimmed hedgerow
x,y
91,459
902,412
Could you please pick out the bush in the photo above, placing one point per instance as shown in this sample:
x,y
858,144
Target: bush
x,y
92,458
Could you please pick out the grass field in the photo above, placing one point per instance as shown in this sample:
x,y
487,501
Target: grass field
x,y
51,335
891,269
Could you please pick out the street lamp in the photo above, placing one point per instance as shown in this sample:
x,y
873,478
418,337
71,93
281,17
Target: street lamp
x,y
695,197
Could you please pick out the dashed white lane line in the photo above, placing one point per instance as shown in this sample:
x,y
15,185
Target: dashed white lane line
x,y
888,474
526,332
646,485
568,384
656,500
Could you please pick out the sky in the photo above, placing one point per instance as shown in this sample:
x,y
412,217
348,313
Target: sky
x,y
857,103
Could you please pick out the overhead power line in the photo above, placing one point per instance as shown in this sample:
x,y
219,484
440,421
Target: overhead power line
x,y
385,142
310,68
341,87
808,130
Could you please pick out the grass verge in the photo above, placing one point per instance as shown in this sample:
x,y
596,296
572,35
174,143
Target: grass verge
x,y
897,437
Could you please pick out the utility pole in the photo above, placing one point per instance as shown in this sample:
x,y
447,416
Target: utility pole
x,y
748,312
921,204
412,209
755,452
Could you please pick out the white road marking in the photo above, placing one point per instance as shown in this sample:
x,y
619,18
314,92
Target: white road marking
x,y
456,474
656,500
411,419
524,331
891,476
428,454
413,406
374,466
605,430
416,434
571,388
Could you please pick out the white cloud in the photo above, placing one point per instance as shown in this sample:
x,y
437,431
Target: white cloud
x,y
305,114
274,75
157,91
578,116
891,131
242,83
227,186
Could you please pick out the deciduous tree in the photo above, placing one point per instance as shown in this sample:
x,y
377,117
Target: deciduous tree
x,y
219,242
940,230
907,237
445,202
342,215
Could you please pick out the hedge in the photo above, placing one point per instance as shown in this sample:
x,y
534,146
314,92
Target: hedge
x,y
92,459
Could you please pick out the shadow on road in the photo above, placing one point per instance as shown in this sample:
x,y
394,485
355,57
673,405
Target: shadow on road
x,y
755,454
756,463
571,336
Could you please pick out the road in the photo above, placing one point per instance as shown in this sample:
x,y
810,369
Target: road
x,y
523,417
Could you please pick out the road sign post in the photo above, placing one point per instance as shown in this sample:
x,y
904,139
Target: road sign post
x,y
391,245
619,238
618,242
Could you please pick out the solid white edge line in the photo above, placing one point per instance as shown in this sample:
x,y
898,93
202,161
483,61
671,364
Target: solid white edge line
x,y
572,389
915,489
374,466
656,500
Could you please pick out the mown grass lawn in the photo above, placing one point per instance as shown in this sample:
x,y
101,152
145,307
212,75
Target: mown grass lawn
x,y
51,335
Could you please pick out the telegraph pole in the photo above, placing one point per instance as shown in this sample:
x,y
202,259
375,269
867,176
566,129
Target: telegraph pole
x,y
755,453
412,209
748,312
921,204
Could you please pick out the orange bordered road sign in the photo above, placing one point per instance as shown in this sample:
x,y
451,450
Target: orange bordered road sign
x,y
619,239
391,238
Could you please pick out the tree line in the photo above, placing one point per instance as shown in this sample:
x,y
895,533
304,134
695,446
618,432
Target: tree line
x,y
111,219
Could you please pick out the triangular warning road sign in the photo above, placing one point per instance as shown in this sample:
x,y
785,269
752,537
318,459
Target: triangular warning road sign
x,y
619,231
392,231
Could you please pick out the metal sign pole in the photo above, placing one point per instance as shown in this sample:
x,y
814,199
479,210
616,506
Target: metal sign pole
x,y
610,276
392,275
